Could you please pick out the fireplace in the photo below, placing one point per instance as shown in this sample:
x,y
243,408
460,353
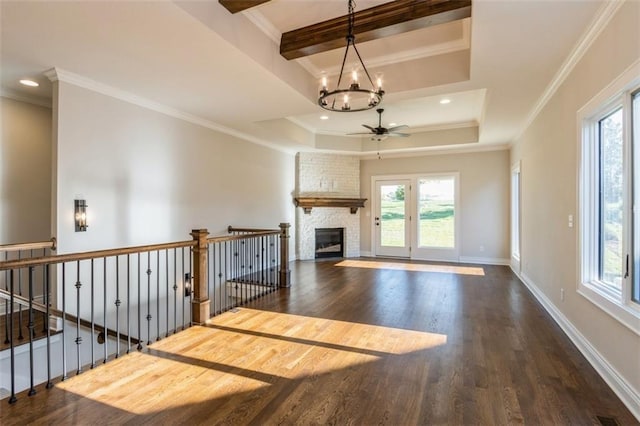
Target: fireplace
x,y
329,242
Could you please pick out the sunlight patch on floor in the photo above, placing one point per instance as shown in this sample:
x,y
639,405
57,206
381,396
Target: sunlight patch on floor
x,y
414,267
241,352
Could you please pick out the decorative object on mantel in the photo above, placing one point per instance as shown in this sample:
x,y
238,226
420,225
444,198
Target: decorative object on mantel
x,y
307,203
354,97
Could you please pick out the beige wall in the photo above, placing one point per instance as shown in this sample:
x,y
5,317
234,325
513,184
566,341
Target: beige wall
x,y
151,178
25,172
484,197
548,155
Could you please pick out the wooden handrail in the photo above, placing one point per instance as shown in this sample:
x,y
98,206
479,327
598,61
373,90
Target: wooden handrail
x,y
243,236
29,246
37,306
234,229
62,258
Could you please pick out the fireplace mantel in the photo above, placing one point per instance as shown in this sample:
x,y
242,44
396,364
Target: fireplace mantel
x,y
307,203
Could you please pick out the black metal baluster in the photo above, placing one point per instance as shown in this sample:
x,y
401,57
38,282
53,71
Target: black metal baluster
x,y
227,271
47,294
45,322
13,398
166,252
93,326
148,298
191,296
139,347
117,303
184,285
241,271
175,290
261,262
128,303
64,322
274,254
158,295
211,256
6,303
104,305
78,338
209,269
221,275
20,336
32,389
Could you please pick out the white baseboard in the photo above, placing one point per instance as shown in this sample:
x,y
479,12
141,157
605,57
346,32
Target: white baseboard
x,y
484,260
627,394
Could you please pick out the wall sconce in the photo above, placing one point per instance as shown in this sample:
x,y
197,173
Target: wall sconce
x,y
187,285
80,208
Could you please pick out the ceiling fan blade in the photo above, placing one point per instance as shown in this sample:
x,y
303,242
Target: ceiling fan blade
x,y
369,127
362,133
399,135
394,128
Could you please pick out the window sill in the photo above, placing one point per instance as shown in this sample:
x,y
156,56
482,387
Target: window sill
x,y
626,314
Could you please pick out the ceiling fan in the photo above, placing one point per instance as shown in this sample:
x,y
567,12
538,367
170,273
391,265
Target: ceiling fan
x,y
381,133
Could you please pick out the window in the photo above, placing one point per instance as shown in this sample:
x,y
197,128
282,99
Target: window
x,y
609,191
515,216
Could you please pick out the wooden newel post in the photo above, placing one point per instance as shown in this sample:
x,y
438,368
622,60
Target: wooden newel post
x,y
200,304
285,273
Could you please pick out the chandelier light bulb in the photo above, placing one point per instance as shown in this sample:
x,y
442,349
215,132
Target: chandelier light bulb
x,y
362,97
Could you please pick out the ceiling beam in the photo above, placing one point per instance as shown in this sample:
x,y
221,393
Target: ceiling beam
x,y
385,20
235,6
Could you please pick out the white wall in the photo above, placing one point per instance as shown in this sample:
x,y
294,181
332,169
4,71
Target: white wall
x,y
25,172
548,152
151,178
484,197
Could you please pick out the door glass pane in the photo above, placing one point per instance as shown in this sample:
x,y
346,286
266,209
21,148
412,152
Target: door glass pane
x,y
611,199
392,213
635,293
436,204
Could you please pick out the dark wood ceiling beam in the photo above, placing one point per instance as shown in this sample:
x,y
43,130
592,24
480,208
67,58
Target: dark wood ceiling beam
x,y
385,20
235,6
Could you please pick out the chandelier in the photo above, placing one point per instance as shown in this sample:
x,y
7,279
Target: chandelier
x,y
353,97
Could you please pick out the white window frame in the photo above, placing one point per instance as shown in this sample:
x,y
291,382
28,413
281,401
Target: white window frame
x,y
616,95
516,235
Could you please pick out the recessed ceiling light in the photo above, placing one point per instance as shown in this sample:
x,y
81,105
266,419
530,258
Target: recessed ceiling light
x,y
324,117
29,83
445,101
392,124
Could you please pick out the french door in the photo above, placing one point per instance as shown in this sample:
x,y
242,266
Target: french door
x,y
392,218
417,217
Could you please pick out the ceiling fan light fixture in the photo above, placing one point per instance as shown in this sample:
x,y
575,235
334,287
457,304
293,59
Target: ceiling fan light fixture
x,y
354,97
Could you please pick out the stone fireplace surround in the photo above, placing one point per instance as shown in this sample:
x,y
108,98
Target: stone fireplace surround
x,y
327,175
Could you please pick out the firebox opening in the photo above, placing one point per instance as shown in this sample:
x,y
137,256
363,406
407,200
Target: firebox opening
x,y
329,242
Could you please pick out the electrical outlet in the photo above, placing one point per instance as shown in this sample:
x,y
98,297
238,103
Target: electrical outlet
x,y
482,248
562,294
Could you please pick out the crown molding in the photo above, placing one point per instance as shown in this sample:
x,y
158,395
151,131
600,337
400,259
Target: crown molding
x,y
597,25
259,20
21,97
421,152
57,74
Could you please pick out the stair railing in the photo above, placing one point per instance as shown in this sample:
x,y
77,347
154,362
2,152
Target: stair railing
x,y
127,298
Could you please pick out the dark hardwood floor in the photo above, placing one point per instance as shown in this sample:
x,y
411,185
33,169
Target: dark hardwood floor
x,y
21,334
351,342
